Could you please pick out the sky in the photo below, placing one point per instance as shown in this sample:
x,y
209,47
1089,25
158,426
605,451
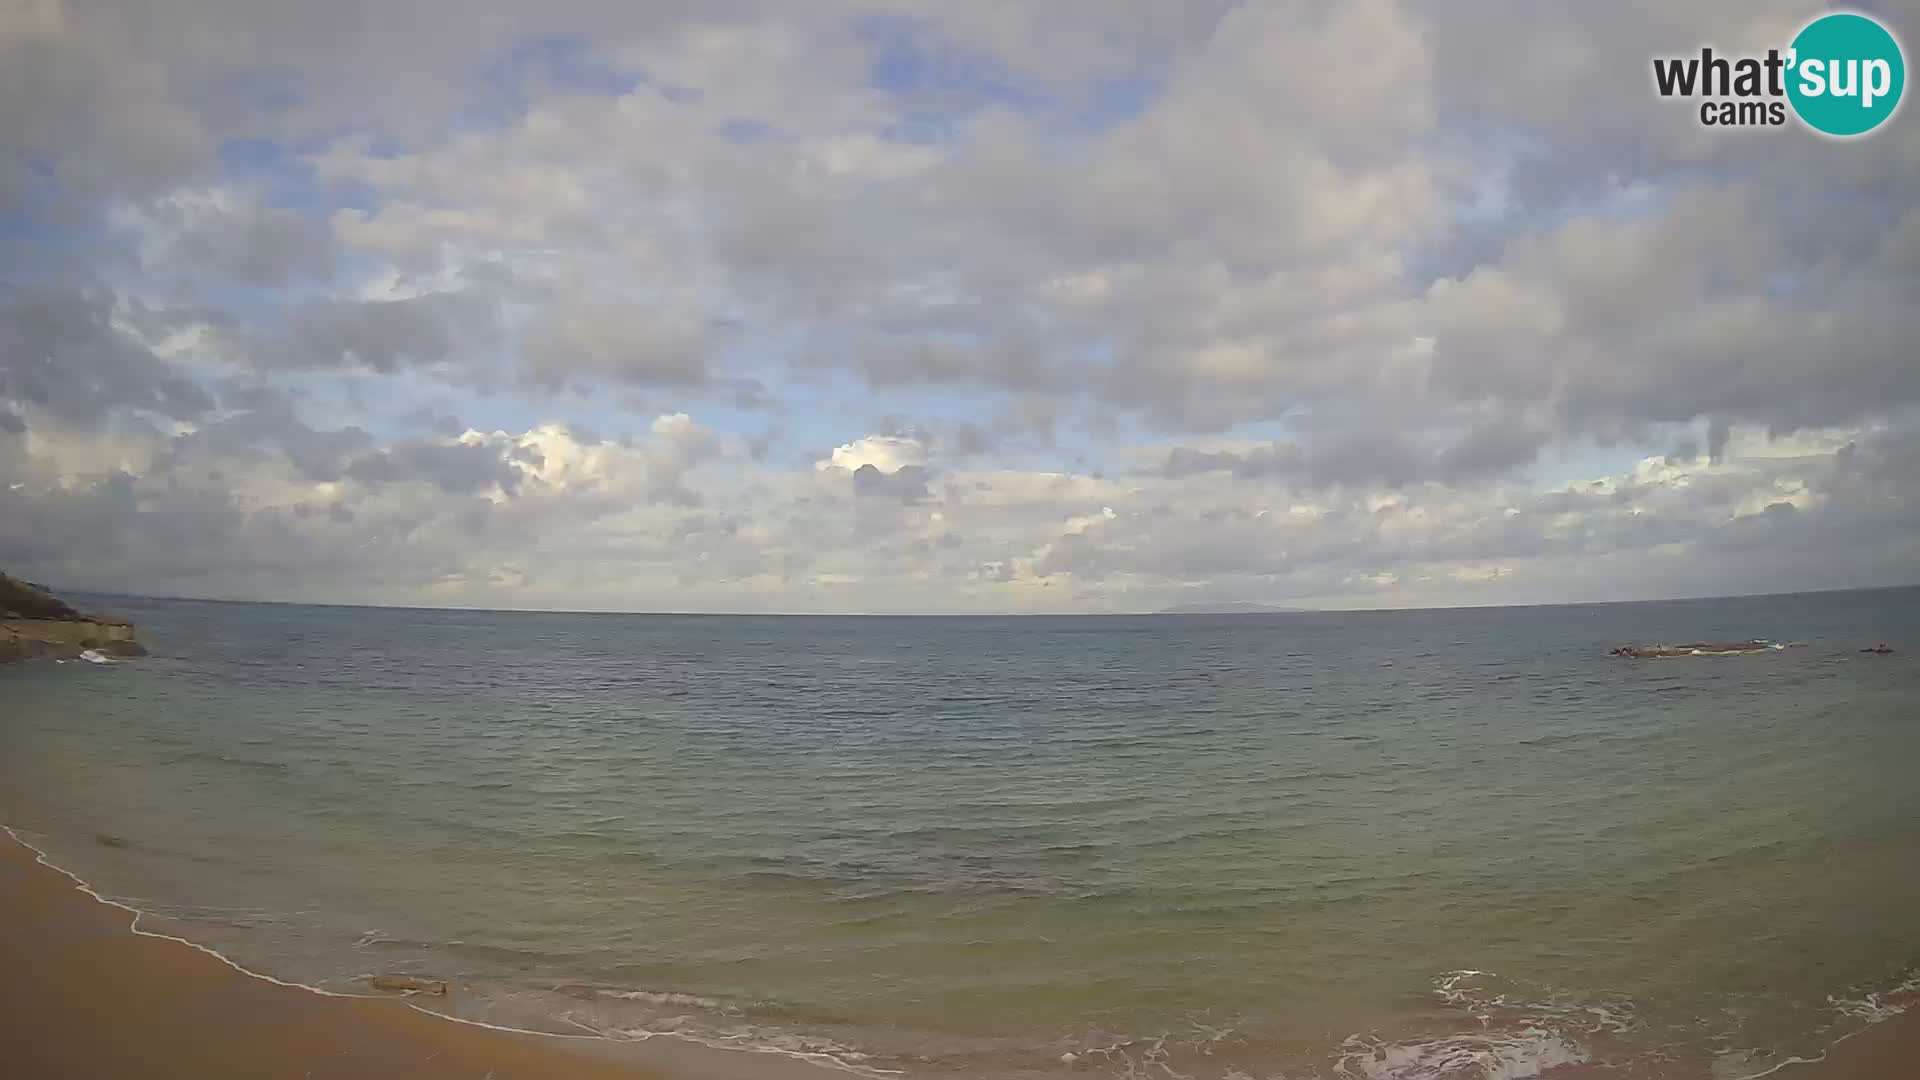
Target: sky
x,y
906,306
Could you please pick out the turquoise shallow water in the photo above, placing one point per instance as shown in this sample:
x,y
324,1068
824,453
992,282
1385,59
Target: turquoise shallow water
x,y
1433,845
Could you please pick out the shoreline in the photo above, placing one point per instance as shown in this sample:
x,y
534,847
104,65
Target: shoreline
x,y
178,1009
86,992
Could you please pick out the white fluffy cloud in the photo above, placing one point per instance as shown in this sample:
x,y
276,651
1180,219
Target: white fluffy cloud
x,y
887,453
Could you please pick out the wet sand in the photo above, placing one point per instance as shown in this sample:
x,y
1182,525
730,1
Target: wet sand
x,y
84,997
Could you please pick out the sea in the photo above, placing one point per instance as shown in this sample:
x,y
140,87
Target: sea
x,y
1461,844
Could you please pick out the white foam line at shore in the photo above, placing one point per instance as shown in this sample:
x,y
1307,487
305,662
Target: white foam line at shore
x,y
821,1059
1778,1065
1869,1025
80,883
41,857
1879,1015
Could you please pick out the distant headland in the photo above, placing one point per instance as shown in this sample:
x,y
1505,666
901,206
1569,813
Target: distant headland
x,y
1228,607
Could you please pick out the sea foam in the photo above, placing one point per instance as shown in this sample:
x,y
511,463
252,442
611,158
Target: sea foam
x,y
1515,1055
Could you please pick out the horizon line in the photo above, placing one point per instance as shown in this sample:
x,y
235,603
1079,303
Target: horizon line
x,y
1163,613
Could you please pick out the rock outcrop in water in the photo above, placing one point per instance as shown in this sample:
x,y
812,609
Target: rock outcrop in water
x,y
1696,648
36,623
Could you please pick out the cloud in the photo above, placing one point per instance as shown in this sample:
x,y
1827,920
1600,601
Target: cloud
x,y
264,425
382,334
86,112
458,468
907,483
1368,457
883,453
228,237
67,354
1698,309
646,345
1092,305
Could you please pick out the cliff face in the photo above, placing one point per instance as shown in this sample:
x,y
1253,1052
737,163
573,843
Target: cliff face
x,y
35,623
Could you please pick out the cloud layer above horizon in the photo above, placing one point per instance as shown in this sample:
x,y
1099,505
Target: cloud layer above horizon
x,y
1096,305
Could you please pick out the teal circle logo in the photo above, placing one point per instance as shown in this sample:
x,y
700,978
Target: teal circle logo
x,y
1846,74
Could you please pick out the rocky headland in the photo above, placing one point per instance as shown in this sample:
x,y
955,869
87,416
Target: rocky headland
x,y
34,624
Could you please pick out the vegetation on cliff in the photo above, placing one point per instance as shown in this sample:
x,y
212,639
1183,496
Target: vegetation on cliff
x,y
25,600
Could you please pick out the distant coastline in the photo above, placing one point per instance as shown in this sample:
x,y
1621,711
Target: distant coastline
x,y
1230,607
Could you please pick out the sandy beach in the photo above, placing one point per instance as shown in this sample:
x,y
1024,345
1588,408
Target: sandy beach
x,y
84,996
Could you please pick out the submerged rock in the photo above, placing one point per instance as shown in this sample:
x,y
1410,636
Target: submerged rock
x,y
408,984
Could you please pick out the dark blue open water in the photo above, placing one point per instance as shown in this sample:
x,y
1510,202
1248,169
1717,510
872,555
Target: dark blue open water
x,y
1440,844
